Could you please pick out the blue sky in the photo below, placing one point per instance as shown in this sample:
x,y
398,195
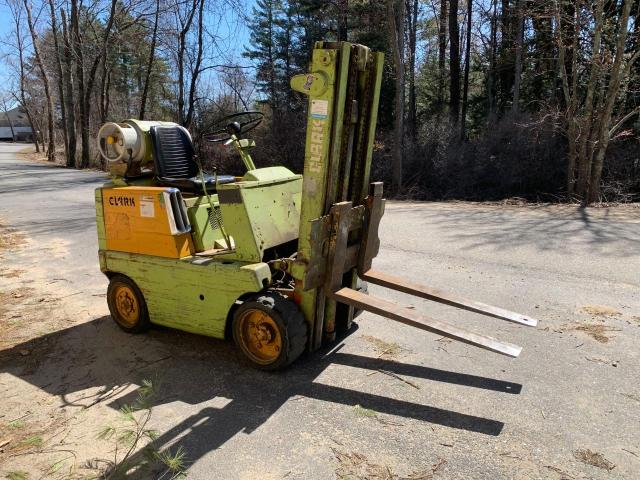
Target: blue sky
x,y
228,25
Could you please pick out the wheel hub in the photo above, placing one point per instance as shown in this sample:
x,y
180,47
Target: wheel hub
x,y
127,304
260,336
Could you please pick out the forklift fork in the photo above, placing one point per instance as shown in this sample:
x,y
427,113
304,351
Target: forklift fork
x,y
347,220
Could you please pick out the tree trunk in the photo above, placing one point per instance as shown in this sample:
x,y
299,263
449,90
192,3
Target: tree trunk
x,y
68,98
105,90
517,74
91,78
343,17
6,114
396,33
51,151
442,52
152,56
196,69
182,45
604,122
467,66
505,64
15,11
413,29
491,76
58,63
584,148
32,124
83,114
454,62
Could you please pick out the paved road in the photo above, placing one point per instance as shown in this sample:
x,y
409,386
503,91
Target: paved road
x,y
462,412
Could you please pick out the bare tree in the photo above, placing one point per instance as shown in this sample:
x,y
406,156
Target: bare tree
x,y
396,33
454,62
3,99
589,124
196,68
21,97
442,50
493,52
83,115
467,66
518,60
412,21
185,20
67,75
58,64
51,149
152,55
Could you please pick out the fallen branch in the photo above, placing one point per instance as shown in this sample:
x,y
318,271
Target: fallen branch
x,y
391,374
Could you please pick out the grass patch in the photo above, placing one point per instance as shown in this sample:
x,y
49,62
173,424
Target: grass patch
x,y
17,475
16,424
32,441
134,448
390,349
364,412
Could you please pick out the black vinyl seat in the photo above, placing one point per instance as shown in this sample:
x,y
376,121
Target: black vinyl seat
x,y
175,163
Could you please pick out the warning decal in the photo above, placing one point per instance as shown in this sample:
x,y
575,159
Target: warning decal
x,y
147,208
319,109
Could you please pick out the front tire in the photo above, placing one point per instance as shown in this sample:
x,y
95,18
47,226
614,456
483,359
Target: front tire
x,y
270,331
127,306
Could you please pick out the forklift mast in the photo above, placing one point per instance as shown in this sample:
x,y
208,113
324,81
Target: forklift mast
x,y
343,86
341,211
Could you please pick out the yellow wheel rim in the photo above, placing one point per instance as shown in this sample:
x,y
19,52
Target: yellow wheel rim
x,y
126,304
260,336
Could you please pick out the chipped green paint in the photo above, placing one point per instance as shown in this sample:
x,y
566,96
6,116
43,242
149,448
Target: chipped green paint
x,y
102,237
194,294
202,232
343,87
319,84
263,213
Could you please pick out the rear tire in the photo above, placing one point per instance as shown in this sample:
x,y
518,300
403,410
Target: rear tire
x,y
127,305
270,331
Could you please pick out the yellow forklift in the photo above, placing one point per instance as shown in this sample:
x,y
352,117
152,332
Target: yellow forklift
x,y
275,260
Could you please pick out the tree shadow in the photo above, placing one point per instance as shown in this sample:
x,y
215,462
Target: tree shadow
x,y
612,232
24,176
196,369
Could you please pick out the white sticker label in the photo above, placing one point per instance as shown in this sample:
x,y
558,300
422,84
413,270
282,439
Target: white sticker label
x,y
319,109
147,208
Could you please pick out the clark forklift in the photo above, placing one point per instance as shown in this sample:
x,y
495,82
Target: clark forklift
x,y
272,259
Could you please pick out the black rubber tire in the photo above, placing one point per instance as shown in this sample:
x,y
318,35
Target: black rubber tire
x,y
291,323
143,323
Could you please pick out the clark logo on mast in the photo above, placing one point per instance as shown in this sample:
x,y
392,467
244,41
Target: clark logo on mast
x,y
319,112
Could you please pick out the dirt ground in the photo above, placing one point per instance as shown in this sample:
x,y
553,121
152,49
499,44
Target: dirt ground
x,y
385,403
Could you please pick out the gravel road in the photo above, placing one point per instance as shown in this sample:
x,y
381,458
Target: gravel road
x,y
385,402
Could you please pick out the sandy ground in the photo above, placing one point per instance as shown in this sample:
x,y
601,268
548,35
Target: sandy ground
x,y
387,402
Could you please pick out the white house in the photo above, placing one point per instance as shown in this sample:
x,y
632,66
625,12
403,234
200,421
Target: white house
x,y
14,125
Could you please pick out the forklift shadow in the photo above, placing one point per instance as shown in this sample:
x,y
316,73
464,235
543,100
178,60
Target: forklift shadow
x,y
194,370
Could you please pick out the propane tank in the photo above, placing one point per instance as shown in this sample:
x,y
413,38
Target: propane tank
x,y
126,146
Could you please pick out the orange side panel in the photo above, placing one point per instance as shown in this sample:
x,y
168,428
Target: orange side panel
x,y
136,221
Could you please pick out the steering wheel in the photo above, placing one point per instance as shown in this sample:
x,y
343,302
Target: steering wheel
x,y
234,124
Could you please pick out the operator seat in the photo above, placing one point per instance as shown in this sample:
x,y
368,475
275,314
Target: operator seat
x,y
175,163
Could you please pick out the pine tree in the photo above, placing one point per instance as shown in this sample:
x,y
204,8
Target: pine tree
x,y
266,15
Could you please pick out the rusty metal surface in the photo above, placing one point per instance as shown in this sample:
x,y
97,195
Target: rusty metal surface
x,y
410,317
370,241
316,267
440,296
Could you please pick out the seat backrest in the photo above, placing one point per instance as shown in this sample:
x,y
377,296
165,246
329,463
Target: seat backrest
x,y
173,152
